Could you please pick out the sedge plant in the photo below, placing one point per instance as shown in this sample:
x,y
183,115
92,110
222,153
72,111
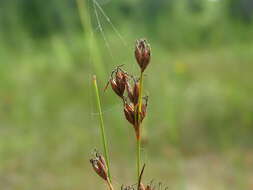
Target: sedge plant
x,y
130,90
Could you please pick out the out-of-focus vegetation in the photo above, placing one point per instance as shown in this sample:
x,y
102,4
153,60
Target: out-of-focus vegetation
x,y
198,133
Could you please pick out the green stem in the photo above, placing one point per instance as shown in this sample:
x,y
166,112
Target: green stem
x,y
102,128
138,143
138,156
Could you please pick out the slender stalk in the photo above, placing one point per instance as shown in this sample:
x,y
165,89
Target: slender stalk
x,y
138,155
109,185
138,140
102,128
140,177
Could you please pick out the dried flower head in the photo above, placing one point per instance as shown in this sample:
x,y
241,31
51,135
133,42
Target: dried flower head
x,y
118,81
99,165
129,113
142,53
132,116
133,92
144,108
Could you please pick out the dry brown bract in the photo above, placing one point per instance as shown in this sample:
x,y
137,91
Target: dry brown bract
x,y
99,165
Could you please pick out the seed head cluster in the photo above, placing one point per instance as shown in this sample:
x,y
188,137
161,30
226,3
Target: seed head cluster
x,y
129,89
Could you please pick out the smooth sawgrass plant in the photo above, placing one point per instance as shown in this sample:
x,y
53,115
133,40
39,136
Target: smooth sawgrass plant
x,y
129,89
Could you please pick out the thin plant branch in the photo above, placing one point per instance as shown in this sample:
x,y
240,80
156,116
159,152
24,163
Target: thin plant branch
x,y
102,128
138,140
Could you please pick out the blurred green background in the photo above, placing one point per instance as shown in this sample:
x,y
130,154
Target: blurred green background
x,y
198,132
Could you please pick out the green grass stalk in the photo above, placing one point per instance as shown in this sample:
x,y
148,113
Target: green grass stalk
x,y
138,143
138,156
102,128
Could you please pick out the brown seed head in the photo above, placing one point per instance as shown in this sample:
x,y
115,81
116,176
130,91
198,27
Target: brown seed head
x,y
133,92
142,53
129,113
102,160
143,112
99,166
118,81
116,88
144,108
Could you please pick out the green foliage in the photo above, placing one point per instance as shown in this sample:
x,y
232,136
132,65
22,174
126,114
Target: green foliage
x,y
185,23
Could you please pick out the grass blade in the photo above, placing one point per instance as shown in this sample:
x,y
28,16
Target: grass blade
x,y
102,128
